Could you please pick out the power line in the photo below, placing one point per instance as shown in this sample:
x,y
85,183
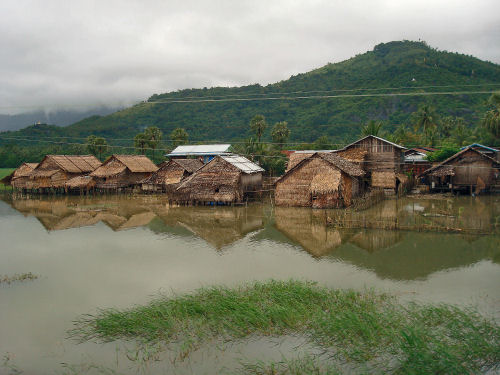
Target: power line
x,y
317,97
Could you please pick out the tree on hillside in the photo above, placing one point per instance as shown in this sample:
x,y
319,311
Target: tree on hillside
x,y
140,142
96,145
371,128
258,126
280,134
179,137
491,120
425,118
322,143
153,135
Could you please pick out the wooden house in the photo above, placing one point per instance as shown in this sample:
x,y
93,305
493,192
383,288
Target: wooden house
x,y
19,179
323,180
55,170
383,160
468,170
123,171
415,160
492,152
224,180
81,184
170,174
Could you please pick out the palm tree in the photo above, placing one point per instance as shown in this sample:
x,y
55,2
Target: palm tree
x,y
371,128
96,145
258,126
179,136
491,119
140,142
280,133
153,135
425,118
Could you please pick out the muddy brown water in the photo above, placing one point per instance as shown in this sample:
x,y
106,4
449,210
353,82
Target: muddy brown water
x,y
118,251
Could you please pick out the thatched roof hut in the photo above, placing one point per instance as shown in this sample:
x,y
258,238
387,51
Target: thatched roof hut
x,y
467,169
55,170
225,179
170,174
121,171
20,177
321,181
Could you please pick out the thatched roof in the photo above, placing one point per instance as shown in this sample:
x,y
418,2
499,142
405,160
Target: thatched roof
x,y
67,163
296,157
433,170
190,165
116,164
444,170
24,170
80,182
173,171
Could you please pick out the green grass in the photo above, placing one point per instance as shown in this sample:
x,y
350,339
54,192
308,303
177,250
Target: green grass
x,y
5,172
363,329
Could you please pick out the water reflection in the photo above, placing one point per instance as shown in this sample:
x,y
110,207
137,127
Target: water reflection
x,y
398,255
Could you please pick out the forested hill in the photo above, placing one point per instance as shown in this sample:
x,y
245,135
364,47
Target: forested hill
x,y
388,68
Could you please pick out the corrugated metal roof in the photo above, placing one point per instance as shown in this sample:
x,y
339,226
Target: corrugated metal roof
x,y
242,163
200,150
480,146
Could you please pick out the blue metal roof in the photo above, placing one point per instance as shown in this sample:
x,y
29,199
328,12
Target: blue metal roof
x,y
480,145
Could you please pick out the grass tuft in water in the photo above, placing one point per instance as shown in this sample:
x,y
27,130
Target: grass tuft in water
x,y
362,328
17,277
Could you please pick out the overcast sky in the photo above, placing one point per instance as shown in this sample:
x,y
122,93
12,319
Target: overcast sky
x,y
76,54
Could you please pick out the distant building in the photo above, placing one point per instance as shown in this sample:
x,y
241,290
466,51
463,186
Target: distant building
x,y
415,160
468,170
225,179
205,152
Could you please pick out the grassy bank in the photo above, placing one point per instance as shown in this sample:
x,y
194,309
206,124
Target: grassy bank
x,y
367,330
5,172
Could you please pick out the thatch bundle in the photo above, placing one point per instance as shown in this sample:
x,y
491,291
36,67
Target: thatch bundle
x,y
442,171
356,155
384,179
323,183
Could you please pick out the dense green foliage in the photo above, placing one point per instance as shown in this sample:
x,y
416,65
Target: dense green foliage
x,y
411,67
370,331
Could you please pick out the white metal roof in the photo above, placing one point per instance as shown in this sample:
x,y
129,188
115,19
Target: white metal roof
x,y
242,163
200,150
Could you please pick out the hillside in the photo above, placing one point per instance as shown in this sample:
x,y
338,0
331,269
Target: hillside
x,y
390,65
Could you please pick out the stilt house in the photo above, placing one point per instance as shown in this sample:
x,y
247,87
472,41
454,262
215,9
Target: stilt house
x,y
224,180
382,162
468,170
55,170
170,174
81,184
19,179
123,171
323,180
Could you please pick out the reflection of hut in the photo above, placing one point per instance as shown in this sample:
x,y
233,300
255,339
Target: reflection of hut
x,y
219,228
170,174
20,177
122,171
376,240
309,230
466,170
226,179
321,181
55,170
382,161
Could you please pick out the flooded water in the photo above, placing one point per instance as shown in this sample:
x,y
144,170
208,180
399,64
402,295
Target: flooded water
x,y
117,251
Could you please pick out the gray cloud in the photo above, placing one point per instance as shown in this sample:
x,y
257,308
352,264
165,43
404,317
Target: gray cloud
x,y
79,54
